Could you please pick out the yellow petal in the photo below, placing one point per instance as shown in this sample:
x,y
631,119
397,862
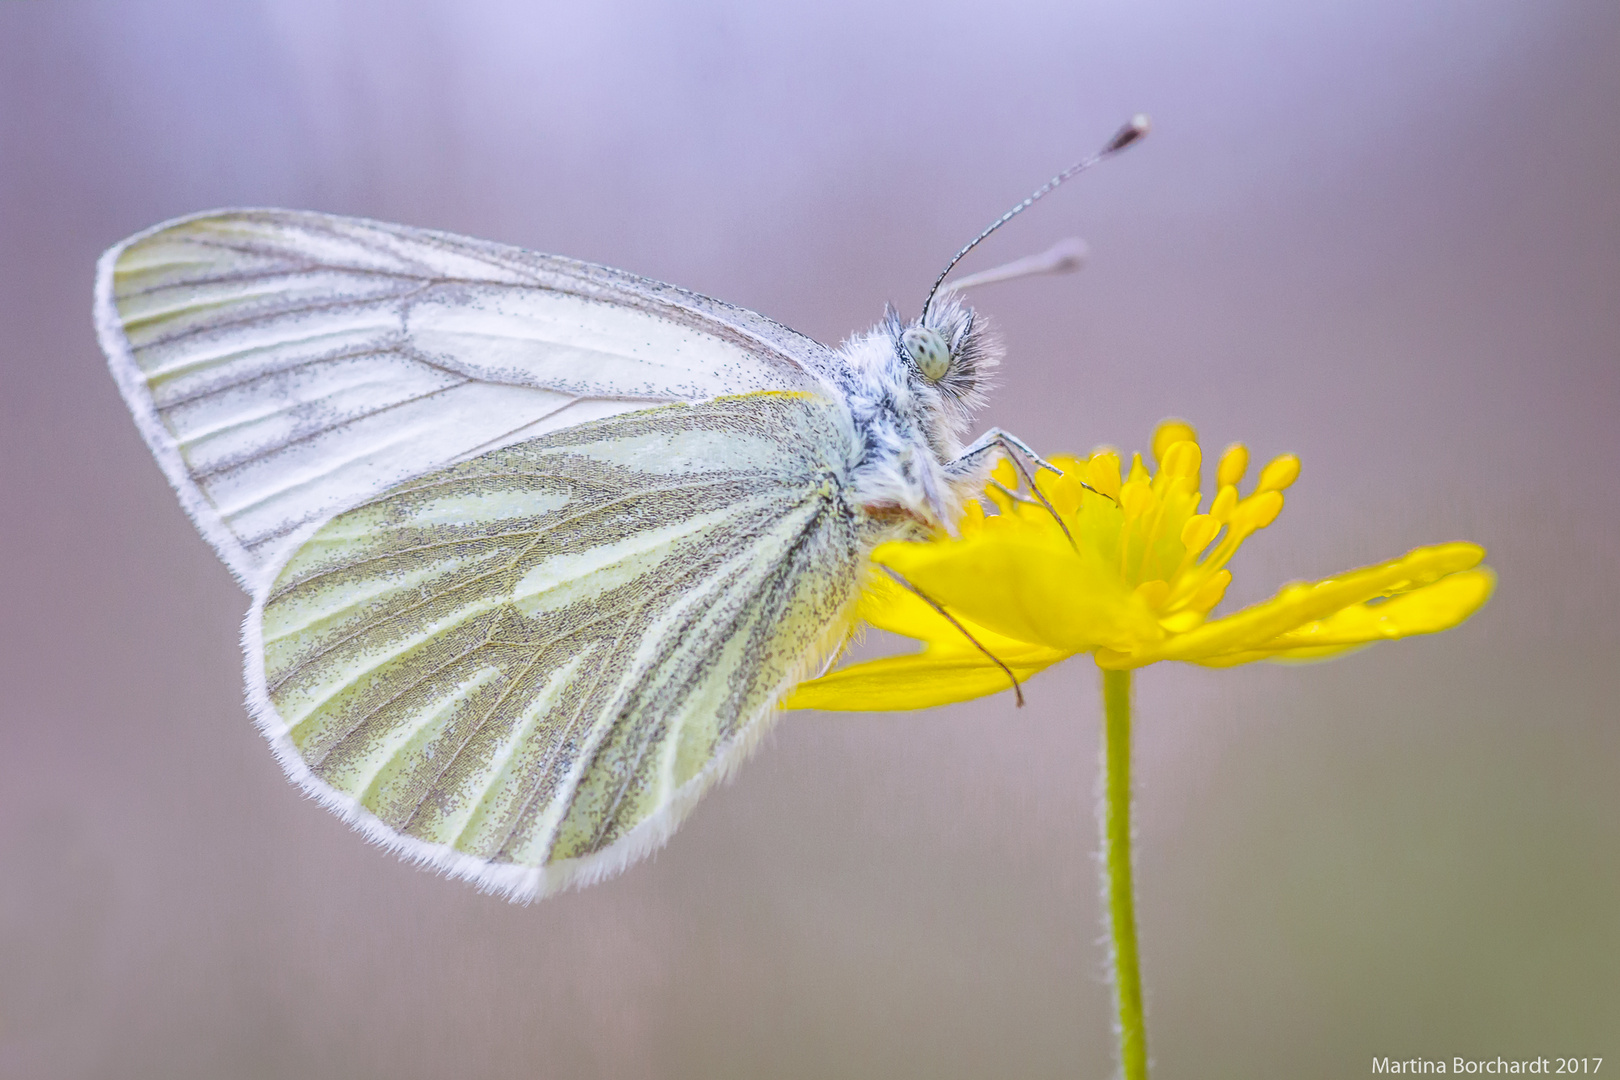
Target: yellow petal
x,y
917,681
1425,610
887,605
1294,656
1041,593
1296,605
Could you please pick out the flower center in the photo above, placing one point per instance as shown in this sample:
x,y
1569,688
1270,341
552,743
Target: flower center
x,y
1147,525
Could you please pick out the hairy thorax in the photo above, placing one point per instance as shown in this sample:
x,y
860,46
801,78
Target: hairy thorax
x,y
907,477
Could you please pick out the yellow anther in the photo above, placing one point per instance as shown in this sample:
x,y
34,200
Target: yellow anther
x,y
1063,491
1170,432
1137,499
1226,501
1180,460
1278,474
1102,473
1005,474
1198,532
1234,463
1257,511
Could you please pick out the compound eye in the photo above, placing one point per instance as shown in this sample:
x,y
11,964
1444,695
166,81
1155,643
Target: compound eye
x,y
928,351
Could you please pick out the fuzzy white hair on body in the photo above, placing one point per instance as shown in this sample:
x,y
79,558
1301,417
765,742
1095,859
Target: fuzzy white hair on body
x,y
909,425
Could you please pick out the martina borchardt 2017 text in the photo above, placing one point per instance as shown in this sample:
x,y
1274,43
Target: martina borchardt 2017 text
x,y
1538,1066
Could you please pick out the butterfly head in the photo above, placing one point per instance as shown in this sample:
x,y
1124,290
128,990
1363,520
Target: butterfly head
x,y
928,351
949,352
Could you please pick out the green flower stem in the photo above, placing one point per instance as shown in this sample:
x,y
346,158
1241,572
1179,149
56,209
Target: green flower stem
x,y
1117,867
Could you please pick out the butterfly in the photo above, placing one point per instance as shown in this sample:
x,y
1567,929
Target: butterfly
x,y
535,547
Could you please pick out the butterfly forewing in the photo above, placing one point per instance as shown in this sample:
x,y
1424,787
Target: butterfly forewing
x,y
285,365
525,667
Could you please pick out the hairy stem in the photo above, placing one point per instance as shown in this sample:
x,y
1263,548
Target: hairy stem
x,y
1116,840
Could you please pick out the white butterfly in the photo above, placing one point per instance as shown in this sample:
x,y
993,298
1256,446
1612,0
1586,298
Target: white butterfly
x,y
535,547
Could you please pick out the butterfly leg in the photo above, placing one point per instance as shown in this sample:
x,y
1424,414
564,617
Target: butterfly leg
x,y
1006,442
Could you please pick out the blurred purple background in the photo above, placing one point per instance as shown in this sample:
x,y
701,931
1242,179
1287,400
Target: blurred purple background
x,y
1384,236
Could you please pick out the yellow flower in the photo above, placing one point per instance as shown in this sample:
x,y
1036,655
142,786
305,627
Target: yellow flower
x,y
1129,571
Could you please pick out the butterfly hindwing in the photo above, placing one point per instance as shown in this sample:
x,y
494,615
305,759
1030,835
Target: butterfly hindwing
x,y
285,365
524,668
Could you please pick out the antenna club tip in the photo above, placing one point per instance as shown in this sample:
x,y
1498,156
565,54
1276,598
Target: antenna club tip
x,y
1138,126
1070,254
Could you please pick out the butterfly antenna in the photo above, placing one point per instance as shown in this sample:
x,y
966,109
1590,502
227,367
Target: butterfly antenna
x,y
1063,257
1125,136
